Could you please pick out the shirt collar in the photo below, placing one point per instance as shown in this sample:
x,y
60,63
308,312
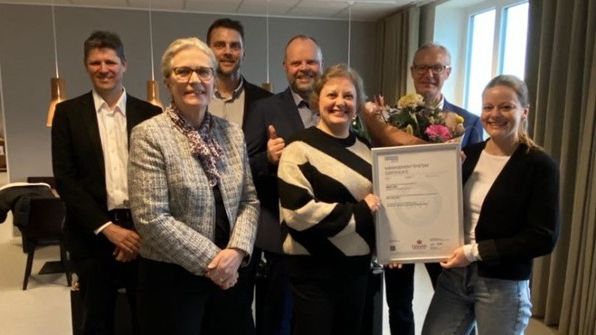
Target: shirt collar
x,y
441,102
298,99
100,104
236,93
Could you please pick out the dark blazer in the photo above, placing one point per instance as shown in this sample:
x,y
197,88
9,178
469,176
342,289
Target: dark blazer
x,y
280,111
519,218
78,163
252,93
473,128
17,199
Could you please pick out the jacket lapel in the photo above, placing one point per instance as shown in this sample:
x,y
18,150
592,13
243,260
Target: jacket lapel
x,y
88,114
294,117
132,117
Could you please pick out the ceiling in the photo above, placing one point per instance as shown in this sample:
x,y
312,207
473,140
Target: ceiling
x,y
362,10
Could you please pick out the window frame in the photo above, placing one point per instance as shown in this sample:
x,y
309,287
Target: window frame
x,y
500,7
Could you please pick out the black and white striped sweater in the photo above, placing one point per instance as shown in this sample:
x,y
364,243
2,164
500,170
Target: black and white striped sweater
x,y
322,183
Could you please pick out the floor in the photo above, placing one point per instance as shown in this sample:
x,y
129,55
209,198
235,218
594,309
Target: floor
x,y
44,308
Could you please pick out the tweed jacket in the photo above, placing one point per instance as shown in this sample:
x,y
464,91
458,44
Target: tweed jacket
x,y
173,206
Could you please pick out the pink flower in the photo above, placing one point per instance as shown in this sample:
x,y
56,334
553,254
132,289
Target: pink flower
x,y
438,133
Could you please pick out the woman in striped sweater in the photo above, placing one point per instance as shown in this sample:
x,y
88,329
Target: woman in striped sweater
x,y
327,206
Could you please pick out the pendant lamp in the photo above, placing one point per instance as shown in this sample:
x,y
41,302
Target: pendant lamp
x,y
152,87
267,85
58,93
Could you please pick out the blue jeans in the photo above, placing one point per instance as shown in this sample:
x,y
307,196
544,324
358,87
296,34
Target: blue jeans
x,y
498,306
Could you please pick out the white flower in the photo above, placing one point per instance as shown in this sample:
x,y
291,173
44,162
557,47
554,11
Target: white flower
x,y
410,101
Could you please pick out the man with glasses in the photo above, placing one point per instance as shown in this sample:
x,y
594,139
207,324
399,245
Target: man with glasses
x,y
429,70
89,157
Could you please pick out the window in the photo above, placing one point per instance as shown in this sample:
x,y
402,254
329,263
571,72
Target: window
x,y
497,34
516,33
480,60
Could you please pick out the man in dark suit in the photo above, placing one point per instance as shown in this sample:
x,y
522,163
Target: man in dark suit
x,y
430,68
89,157
233,95
272,121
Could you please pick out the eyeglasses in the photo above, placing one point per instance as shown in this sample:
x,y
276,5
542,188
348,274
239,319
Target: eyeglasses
x,y
435,68
183,73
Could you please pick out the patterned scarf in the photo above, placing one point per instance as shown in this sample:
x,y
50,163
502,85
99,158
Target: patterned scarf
x,y
202,143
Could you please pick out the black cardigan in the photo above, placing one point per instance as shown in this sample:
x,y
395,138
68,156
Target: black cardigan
x,y
519,218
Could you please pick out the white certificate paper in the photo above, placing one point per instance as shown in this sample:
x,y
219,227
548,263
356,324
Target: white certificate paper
x,y
421,217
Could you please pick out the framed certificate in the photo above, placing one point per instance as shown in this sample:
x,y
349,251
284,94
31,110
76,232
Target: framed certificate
x,y
421,217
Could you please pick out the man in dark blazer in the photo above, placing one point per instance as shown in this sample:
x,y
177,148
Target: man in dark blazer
x,y
271,122
89,157
430,68
233,95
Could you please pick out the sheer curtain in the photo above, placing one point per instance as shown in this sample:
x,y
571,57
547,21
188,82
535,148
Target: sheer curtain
x,y
561,75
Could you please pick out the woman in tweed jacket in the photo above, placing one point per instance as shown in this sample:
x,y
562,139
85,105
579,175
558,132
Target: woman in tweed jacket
x,y
194,206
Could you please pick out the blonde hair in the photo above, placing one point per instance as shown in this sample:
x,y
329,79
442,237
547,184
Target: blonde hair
x,y
521,90
182,44
338,71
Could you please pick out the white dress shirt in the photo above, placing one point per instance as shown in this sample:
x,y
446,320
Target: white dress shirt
x,y
114,144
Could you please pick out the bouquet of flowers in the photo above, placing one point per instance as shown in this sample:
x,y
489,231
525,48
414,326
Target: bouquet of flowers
x,y
429,123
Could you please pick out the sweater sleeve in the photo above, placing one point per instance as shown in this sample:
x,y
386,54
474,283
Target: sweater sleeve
x,y
303,212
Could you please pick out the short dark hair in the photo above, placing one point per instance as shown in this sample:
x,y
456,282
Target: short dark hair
x,y
225,23
104,39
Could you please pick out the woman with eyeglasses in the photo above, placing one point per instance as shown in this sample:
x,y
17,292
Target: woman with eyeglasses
x,y
511,206
194,205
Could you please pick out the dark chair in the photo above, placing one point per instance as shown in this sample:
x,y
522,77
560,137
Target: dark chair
x,y
46,217
48,180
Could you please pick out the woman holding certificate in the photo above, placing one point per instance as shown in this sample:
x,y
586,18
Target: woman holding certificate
x,y
325,185
511,191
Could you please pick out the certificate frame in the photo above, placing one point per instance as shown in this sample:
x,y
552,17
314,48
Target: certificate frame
x,y
421,214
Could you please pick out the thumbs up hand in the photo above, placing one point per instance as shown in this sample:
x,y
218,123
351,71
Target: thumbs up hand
x,y
271,132
275,145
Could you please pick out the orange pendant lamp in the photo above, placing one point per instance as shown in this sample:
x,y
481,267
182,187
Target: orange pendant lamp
x,y
58,95
152,87
267,85
58,92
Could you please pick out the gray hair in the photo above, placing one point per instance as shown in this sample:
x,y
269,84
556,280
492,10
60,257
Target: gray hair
x,y
183,44
436,46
